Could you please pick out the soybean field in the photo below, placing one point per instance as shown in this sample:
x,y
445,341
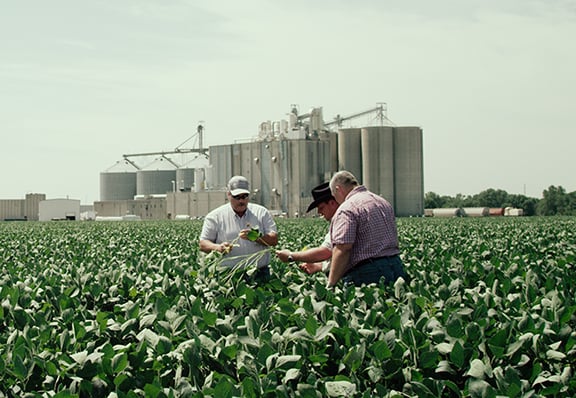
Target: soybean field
x,y
132,309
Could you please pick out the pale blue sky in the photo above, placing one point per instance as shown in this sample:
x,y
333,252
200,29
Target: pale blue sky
x,y
491,82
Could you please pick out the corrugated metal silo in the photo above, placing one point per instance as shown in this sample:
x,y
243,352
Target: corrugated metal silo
x,y
118,182
185,178
246,159
350,151
250,167
378,161
31,205
409,171
278,192
305,168
332,153
263,174
200,179
239,157
185,175
157,178
221,165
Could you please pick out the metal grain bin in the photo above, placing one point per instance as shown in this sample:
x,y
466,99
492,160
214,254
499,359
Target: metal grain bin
x,y
185,175
350,151
409,171
118,182
476,211
448,212
185,179
221,165
157,178
378,161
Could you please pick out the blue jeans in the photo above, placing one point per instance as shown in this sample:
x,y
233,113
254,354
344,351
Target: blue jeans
x,y
389,268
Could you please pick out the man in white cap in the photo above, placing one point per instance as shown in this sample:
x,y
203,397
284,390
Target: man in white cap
x,y
226,229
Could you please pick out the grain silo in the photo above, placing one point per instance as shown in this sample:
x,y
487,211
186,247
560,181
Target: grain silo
x,y
186,174
350,151
118,182
246,159
250,162
255,166
408,171
156,178
221,162
185,179
378,161
31,205
305,163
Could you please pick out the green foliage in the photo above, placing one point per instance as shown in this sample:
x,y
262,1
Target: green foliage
x,y
134,310
555,201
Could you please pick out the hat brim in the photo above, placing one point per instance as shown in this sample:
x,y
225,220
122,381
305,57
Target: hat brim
x,y
316,202
239,191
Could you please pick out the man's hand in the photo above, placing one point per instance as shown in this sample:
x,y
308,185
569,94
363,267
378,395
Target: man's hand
x,y
224,247
284,255
311,268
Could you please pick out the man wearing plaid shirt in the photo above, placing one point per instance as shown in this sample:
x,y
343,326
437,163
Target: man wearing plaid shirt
x,y
364,235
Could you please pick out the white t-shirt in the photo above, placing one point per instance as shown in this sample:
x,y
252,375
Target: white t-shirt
x,y
223,225
327,243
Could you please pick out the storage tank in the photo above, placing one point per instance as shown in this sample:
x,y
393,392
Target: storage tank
x,y
32,204
511,211
378,161
350,151
221,162
332,140
476,211
496,211
184,179
408,171
185,175
316,122
199,179
118,182
304,167
267,177
156,178
448,212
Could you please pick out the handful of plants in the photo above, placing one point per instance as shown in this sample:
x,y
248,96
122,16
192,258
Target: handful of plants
x,y
254,234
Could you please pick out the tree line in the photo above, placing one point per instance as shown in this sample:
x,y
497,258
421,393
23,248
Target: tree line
x,y
555,201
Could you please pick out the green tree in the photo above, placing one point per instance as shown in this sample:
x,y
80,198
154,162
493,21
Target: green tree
x,y
433,201
491,198
522,202
460,200
555,201
494,198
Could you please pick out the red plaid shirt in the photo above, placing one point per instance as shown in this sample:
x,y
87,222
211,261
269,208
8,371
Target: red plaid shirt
x,y
367,221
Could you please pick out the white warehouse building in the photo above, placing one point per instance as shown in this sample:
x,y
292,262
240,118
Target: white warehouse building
x,y
59,209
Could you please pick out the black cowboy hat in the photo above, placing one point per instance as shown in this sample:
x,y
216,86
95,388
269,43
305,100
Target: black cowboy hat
x,y
320,194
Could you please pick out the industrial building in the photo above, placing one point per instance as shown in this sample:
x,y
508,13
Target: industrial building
x,y
21,209
35,207
283,163
59,209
